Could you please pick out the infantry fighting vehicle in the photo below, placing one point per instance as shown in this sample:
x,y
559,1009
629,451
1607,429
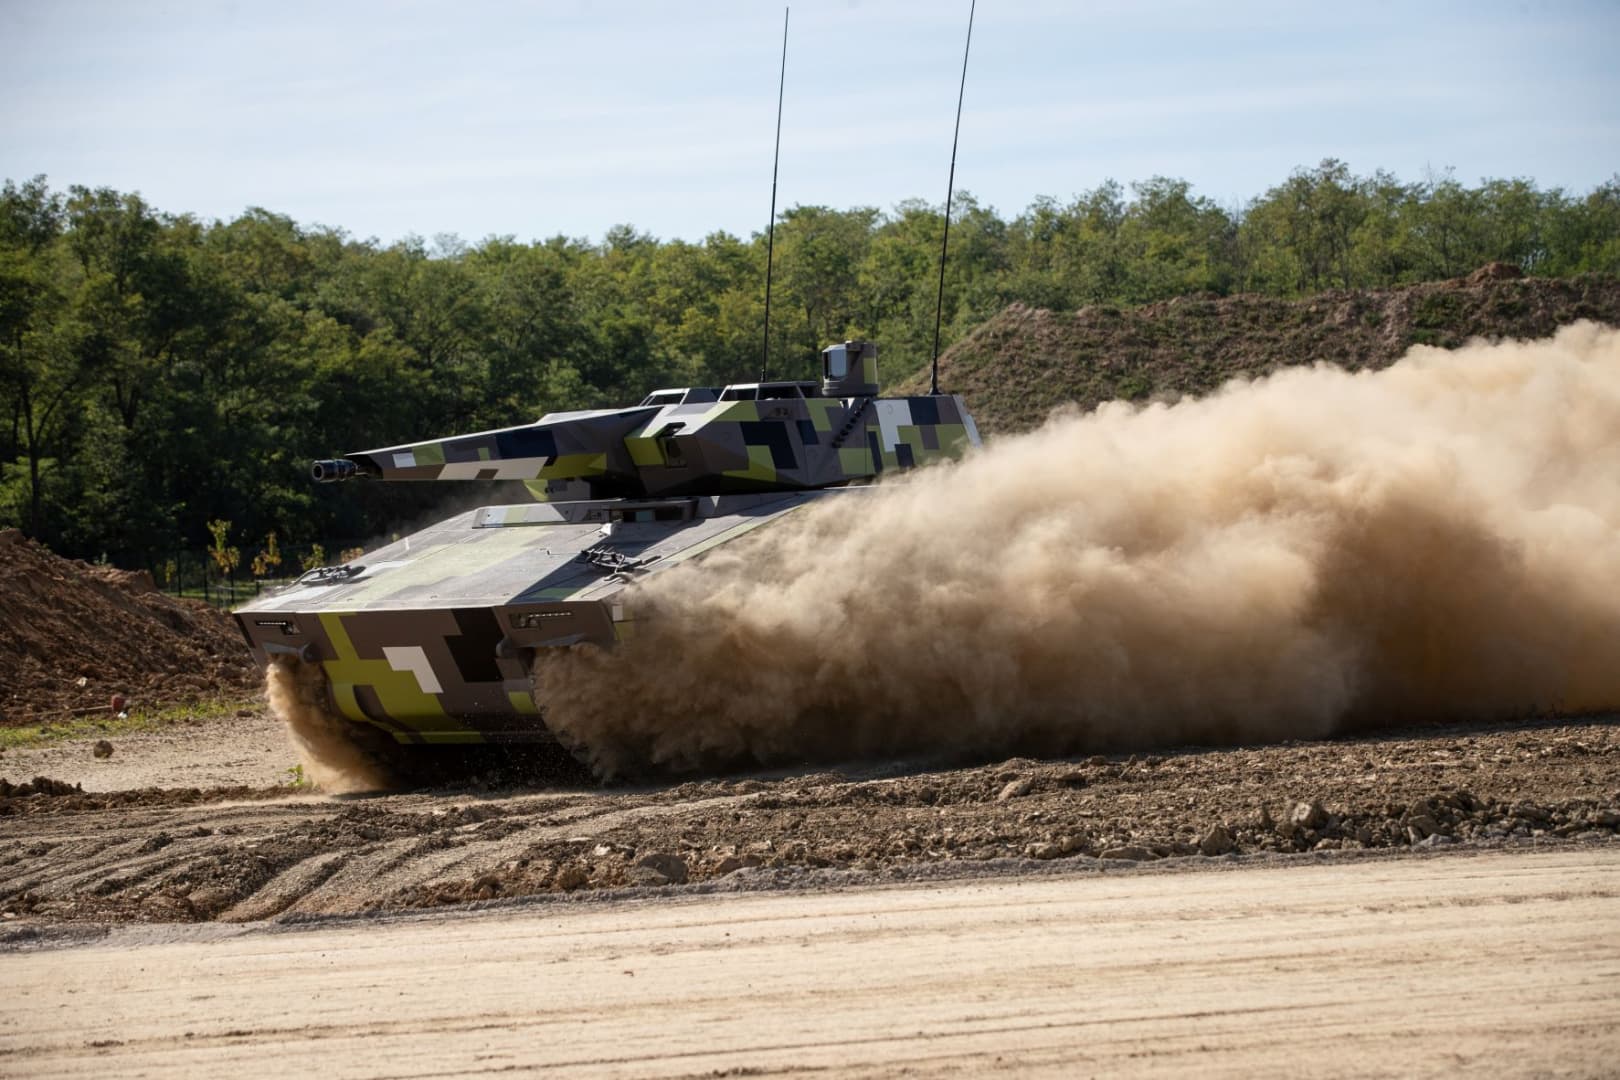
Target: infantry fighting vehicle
x,y
432,638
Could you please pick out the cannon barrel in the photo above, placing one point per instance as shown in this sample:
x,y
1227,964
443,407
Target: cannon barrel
x,y
330,471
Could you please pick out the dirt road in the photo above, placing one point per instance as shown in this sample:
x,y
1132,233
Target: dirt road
x,y
1505,964
1409,903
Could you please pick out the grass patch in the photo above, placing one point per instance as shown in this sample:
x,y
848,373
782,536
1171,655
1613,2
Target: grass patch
x,y
1134,387
95,725
1437,310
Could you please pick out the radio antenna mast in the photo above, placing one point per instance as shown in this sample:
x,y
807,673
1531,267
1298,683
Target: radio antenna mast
x,y
950,189
770,230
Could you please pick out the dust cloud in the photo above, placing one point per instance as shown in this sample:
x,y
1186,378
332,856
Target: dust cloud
x,y
324,742
1287,558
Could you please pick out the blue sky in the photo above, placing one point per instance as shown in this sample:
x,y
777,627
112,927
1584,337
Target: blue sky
x,y
533,119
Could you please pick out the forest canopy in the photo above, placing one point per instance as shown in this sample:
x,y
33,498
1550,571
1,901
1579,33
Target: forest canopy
x,y
158,372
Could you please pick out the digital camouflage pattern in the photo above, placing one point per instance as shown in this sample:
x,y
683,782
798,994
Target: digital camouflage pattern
x,y
431,638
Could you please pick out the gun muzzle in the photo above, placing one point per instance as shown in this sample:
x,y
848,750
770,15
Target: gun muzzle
x,y
331,471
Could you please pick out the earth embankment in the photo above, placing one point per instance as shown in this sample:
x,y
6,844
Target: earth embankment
x,y
1019,366
75,636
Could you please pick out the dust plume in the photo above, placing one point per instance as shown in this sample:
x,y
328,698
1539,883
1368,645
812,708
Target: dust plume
x,y
324,742
1283,559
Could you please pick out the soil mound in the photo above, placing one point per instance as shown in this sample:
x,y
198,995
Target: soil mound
x,y
73,636
39,785
1019,366
1495,271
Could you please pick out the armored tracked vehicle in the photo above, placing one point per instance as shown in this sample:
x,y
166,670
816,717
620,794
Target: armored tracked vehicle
x,y
431,639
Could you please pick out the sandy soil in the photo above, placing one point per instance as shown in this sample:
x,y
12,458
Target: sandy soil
x,y
232,751
1498,963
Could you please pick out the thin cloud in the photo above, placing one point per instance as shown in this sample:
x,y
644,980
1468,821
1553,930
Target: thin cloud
x,y
571,117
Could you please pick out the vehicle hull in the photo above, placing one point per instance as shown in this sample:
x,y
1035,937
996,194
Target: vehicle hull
x,y
433,638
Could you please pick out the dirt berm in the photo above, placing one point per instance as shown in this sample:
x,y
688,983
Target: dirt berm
x,y
1019,366
73,635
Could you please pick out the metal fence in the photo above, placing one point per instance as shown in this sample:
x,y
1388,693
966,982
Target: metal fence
x,y
197,574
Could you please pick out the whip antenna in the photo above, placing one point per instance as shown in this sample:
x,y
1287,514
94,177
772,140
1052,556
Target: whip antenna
x,y
770,231
950,189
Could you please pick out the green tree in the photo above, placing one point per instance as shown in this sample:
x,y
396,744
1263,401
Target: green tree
x,y
158,373
41,378
820,252
1582,235
1172,242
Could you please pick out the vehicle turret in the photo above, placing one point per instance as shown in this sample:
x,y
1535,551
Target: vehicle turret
x,y
746,437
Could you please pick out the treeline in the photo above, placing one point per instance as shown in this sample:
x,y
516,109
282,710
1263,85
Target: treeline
x,y
158,372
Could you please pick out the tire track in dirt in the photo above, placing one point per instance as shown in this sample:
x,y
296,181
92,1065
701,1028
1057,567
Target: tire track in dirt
x,y
185,856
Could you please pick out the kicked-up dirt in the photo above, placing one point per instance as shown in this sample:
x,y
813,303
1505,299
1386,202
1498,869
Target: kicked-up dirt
x,y
242,849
